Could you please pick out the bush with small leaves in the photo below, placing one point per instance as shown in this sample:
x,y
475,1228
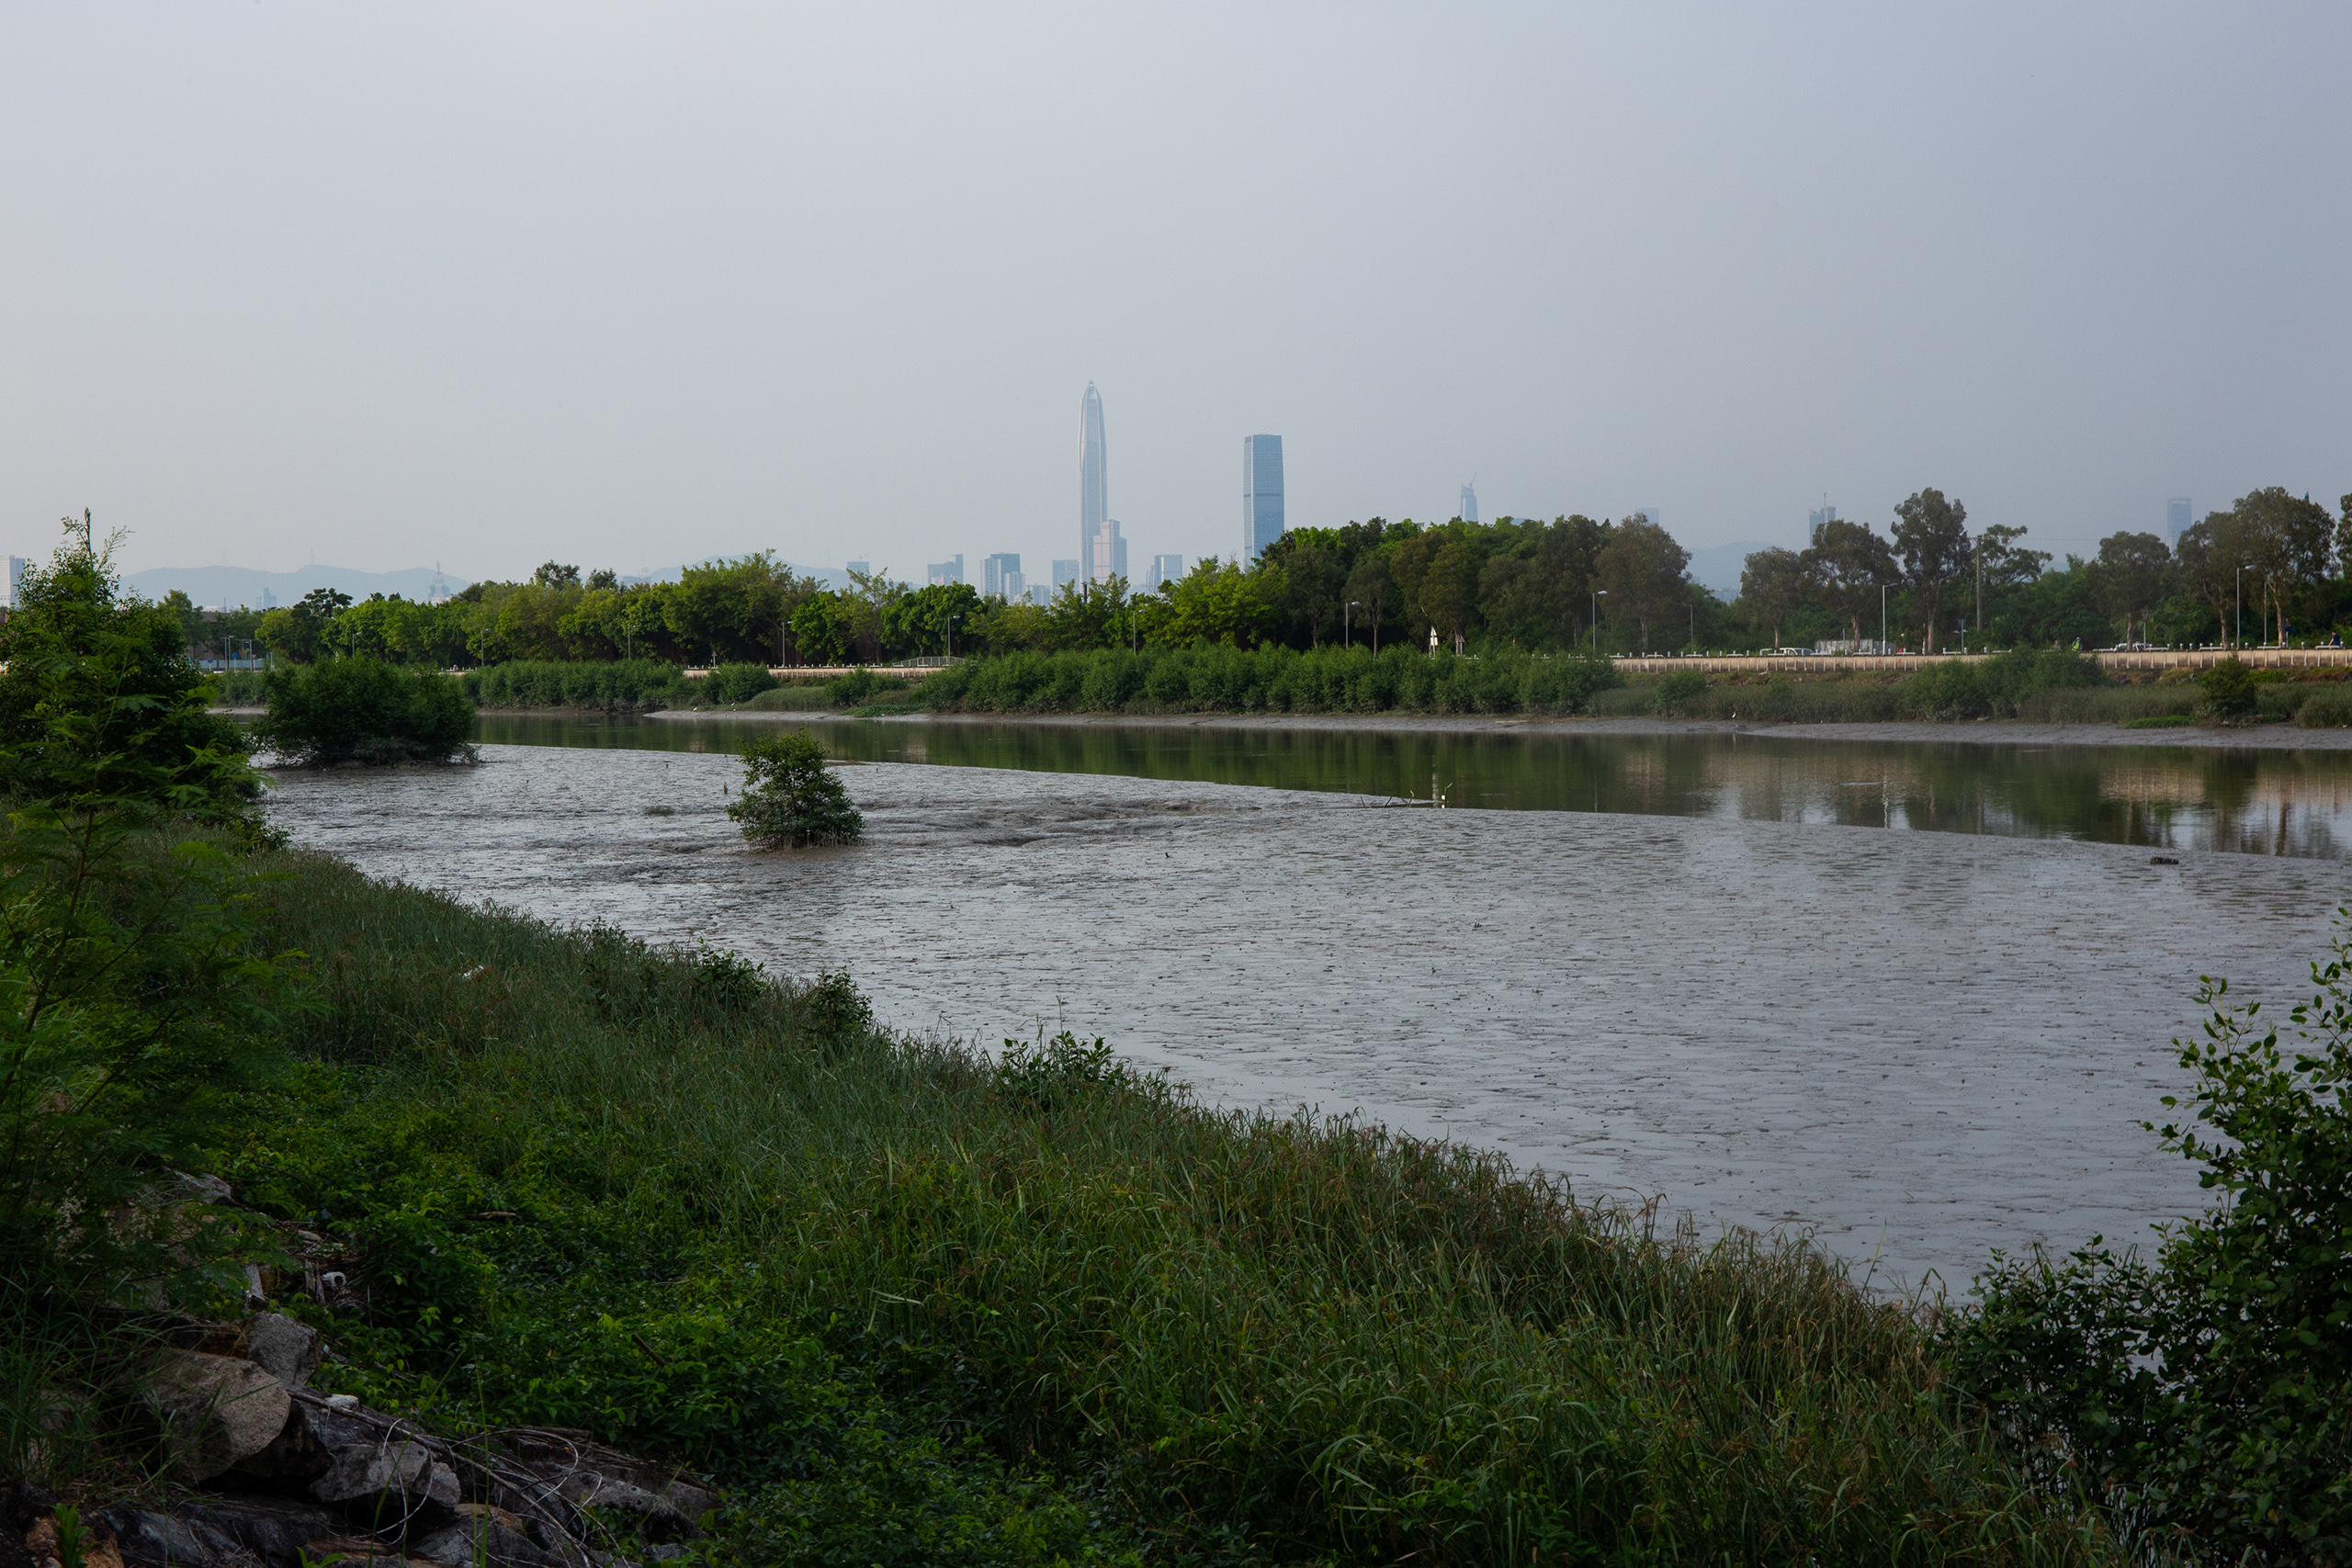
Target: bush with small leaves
x,y
789,800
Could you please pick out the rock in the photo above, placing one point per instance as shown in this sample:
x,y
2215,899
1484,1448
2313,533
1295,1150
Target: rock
x,y
480,1537
215,1411
287,1351
392,1481
276,1529
691,1501
146,1537
656,1515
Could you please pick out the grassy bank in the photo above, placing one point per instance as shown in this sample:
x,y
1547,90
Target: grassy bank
x,y
651,1195
1272,680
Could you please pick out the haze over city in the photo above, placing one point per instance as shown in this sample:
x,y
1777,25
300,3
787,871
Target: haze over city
x,y
631,287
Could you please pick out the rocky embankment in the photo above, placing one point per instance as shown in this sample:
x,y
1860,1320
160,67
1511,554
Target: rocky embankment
x,y
260,1470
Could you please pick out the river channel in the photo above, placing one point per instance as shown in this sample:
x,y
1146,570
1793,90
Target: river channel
x,y
1725,988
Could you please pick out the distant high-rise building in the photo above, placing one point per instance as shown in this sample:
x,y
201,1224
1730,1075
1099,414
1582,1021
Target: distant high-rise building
x,y
1093,479
1820,517
1469,503
1261,494
1164,569
858,566
1010,587
1108,558
992,572
17,566
1041,595
1064,571
944,573
2176,519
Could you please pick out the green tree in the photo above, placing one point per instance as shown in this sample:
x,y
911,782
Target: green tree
x,y
551,575
2133,573
1644,574
920,622
100,702
2286,540
1372,587
1851,568
1931,535
2211,555
789,800
1774,584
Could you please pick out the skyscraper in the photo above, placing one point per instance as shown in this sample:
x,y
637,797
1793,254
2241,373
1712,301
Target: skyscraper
x,y
1107,552
1817,519
1093,479
17,566
1261,494
1469,512
1064,571
994,571
947,573
2176,520
1164,569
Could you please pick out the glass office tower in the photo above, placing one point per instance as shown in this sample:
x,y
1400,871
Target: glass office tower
x,y
1261,494
1094,479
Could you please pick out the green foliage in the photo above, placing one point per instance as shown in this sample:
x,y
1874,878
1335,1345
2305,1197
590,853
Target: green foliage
x,y
1050,1073
550,684
100,701
789,799
2000,686
135,998
363,710
736,684
1275,680
1676,690
2208,1395
2328,707
2226,690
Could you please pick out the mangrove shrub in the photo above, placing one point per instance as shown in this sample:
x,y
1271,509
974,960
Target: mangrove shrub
x,y
363,710
2208,1393
789,800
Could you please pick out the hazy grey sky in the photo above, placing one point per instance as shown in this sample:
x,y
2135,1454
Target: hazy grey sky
x,y
629,286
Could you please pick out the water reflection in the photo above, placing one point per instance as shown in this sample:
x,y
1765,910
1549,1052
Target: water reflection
x,y
2273,803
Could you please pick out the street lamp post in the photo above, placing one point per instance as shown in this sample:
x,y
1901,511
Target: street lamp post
x,y
1597,594
951,636
2241,597
1882,618
1348,621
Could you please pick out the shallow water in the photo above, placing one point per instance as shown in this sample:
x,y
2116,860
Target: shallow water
x,y
2279,802
1919,1045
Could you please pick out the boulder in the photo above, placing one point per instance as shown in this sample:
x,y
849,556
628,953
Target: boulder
x,y
654,1513
484,1535
150,1539
394,1481
275,1529
215,1411
287,1351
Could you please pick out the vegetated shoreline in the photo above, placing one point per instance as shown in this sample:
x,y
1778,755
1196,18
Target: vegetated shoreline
x,y
1976,733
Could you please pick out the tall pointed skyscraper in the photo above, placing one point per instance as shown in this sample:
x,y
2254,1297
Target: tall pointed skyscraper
x,y
1094,479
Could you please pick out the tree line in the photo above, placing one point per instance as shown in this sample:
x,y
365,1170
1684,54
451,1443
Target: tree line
x,y
2275,560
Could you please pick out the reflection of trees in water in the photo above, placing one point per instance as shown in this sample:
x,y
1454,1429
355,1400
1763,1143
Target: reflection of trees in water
x,y
2254,802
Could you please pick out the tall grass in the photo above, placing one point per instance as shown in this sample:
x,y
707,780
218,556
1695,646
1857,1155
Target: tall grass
x,y
1315,1336
1269,680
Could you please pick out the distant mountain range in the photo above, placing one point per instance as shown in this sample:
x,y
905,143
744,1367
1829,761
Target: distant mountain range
x,y
213,587
1718,566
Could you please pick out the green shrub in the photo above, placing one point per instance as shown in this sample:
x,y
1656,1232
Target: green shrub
x,y
736,684
1679,689
790,799
2227,690
2326,707
559,684
346,710
2209,1392
1211,679
99,700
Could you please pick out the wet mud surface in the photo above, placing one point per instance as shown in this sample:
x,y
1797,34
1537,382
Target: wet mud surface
x,y
1918,1046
